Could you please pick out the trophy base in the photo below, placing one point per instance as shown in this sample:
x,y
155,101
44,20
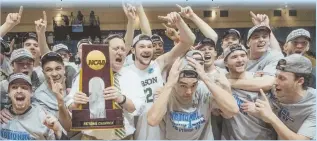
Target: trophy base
x,y
81,120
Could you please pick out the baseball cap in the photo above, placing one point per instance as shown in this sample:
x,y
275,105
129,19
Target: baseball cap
x,y
140,37
187,70
30,35
258,27
156,37
83,41
22,76
60,47
204,42
295,63
20,53
232,48
51,56
231,32
298,33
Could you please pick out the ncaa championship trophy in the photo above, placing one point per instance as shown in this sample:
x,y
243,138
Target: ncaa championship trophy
x,y
95,76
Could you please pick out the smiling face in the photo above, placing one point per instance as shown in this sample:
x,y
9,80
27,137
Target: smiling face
x,y
143,52
237,62
299,45
54,70
259,41
23,66
117,53
20,93
158,49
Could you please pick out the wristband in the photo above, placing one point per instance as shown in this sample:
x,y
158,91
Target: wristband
x,y
124,100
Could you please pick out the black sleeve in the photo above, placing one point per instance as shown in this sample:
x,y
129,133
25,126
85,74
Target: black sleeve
x,y
64,137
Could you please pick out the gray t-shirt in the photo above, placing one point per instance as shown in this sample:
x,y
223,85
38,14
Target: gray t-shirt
x,y
188,121
299,117
267,63
46,98
28,126
244,126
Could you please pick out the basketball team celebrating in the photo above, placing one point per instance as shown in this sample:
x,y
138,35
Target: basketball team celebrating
x,y
192,92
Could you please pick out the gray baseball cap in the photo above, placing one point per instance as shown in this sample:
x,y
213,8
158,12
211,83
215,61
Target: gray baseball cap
x,y
16,76
295,63
232,48
233,32
59,47
258,27
298,33
187,70
140,37
21,53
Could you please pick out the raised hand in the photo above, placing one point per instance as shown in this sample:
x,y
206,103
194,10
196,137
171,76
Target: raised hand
x,y
112,93
14,18
199,68
171,33
263,108
260,19
57,89
186,12
52,123
175,71
129,11
41,24
171,18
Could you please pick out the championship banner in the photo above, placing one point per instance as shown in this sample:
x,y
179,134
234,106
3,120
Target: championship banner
x,y
95,76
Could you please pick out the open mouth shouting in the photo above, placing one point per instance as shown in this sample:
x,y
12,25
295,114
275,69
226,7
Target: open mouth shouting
x,y
20,100
207,57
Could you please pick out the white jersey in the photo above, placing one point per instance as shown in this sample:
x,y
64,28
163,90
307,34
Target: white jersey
x,y
151,80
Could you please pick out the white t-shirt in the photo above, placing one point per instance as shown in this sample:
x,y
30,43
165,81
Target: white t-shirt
x,y
151,80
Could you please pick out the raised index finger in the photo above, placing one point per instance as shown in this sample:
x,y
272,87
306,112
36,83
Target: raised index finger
x,y
21,10
44,16
263,95
252,14
165,25
180,7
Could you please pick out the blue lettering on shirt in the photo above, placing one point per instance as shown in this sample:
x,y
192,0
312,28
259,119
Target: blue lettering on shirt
x,y
239,102
15,135
186,122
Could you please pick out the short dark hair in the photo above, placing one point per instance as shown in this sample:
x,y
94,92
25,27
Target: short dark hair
x,y
51,56
306,79
110,37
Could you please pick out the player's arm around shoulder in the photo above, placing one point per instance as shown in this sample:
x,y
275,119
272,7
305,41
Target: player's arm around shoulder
x,y
186,41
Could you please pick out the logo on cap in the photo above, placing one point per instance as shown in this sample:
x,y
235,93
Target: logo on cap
x,y
96,60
